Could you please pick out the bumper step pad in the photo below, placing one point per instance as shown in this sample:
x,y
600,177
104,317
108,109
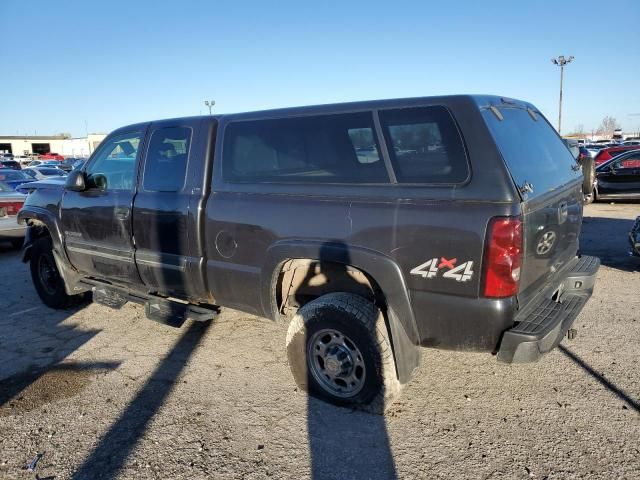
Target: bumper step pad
x,y
542,326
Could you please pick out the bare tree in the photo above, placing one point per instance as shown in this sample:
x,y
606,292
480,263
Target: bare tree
x,y
607,126
578,131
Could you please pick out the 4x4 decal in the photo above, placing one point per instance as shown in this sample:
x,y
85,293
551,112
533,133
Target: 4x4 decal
x,y
430,269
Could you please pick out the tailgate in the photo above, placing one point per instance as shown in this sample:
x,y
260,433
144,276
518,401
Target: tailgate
x,y
550,186
551,224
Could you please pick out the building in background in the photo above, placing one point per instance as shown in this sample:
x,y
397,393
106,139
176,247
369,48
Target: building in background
x,y
69,147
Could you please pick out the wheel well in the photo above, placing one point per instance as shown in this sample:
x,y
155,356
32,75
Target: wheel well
x,y
37,229
303,280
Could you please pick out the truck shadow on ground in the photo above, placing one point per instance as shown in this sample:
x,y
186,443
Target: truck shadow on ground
x,y
345,443
621,394
608,239
110,455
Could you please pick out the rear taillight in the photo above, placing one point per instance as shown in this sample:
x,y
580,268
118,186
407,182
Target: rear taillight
x,y
503,257
11,208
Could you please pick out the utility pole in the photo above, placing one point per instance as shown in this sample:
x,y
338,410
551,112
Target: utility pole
x,y
561,61
210,104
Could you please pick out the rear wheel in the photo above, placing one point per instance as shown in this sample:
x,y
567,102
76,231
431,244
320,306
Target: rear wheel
x,y
46,278
339,350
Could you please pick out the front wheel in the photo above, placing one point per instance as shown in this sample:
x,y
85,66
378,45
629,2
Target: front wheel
x,y
339,350
46,278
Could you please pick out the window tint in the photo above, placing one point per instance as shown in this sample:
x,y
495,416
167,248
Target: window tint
x,y
113,167
322,149
424,145
532,150
166,163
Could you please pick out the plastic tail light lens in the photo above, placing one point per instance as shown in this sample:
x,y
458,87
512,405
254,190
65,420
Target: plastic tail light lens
x,y
503,257
11,208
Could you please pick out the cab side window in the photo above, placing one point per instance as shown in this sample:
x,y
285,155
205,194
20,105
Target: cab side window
x,y
114,166
338,148
167,156
424,145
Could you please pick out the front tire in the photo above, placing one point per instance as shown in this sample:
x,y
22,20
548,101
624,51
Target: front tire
x,y
46,277
339,351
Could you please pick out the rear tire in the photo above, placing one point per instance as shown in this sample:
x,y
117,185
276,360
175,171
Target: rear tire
x,y
339,351
46,277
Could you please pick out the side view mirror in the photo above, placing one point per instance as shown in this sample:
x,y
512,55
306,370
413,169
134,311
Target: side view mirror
x,y
76,181
99,181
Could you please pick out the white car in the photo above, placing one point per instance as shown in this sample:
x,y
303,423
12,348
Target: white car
x,y
43,172
10,203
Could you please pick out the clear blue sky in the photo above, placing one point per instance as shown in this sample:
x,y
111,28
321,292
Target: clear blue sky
x,y
111,63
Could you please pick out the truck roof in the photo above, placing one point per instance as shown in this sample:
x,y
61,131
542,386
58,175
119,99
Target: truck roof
x,y
480,100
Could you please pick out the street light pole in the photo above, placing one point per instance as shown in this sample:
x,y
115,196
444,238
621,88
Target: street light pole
x,y
210,104
561,61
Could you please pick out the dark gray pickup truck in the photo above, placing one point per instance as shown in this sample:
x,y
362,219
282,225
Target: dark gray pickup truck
x,y
369,228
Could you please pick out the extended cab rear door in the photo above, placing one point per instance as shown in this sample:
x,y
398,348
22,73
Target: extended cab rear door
x,y
162,226
550,185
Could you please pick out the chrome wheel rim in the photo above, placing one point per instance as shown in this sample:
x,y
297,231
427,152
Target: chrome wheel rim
x,y
336,363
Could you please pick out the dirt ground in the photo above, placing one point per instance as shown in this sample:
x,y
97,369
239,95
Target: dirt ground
x,y
108,394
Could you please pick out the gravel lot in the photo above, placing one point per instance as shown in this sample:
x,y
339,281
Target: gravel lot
x,y
109,394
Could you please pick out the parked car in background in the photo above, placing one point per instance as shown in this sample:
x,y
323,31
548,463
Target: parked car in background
x,y
608,153
68,163
44,171
79,163
52,163
619,178
23,159
10,204
594,148
14,178
584,152
51,156
4,163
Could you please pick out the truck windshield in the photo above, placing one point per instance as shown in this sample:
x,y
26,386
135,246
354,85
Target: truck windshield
x,y
532,149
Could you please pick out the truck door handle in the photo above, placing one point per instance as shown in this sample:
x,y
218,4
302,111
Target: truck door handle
x,y
122,213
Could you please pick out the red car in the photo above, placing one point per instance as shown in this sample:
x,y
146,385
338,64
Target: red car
x,y
51,156
608,153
